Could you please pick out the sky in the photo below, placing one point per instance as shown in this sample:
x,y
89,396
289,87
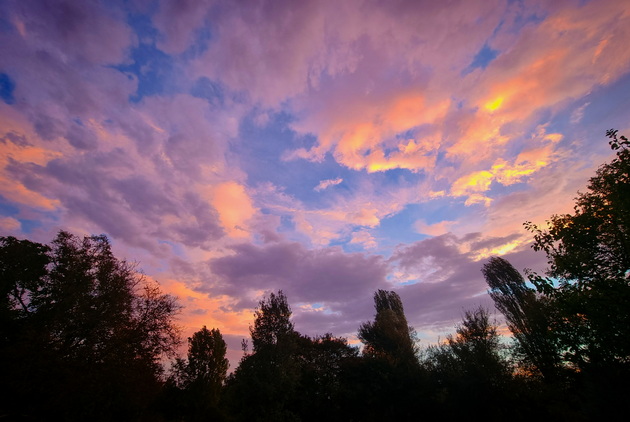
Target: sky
x,y
324,148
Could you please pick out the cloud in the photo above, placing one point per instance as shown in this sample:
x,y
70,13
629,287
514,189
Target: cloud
x,y
82,31
363,237
178,21
234,206
327,276
447,279
317,275
578,113
327,183
527,162
435,229
9,225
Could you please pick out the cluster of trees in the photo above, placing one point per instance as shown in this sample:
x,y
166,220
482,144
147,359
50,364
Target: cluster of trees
x,y
83,336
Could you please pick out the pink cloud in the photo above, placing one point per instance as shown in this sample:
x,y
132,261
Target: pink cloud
x,y
436,229
327,183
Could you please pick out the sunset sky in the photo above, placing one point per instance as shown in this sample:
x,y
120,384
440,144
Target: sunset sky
x,y
325,148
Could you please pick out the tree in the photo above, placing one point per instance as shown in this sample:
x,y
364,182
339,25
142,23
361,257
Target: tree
x,y
267,378
389,336
469,368
527,315
87,331
476,346
22,265
272,323
388,376
588,278
196,383
207,365
320,392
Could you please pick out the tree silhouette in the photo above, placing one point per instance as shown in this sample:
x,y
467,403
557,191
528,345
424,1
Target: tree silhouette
x,y
85,332
272,323
268,377
194,389
469,368
528,317
588,282
389,375
389,336
588,254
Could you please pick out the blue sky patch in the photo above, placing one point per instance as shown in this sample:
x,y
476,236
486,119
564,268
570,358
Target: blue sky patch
x,y
482,59
7,86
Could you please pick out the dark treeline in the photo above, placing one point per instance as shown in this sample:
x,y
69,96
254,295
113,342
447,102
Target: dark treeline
x,y
83,336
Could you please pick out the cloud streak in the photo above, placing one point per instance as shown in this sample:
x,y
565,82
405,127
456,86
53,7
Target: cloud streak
x,y
324,184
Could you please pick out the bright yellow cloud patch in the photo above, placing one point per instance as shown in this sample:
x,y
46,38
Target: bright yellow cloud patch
x,y
494,104
498,250
475,182
526,163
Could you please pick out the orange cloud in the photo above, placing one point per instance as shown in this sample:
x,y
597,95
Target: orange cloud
x,y
201,309
16,191
234,206
365,136
365,217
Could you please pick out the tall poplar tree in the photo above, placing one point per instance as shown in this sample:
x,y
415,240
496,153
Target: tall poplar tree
x,y
389,336
528,316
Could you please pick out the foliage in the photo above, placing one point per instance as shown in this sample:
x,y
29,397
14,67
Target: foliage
x,y
207,364
288,376
476,347
389,372
267,378
195,385
589,266
82,329
528,317
469,367
272,323
23,264
389,336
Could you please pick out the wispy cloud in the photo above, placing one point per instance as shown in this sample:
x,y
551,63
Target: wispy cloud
x,y
324,184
